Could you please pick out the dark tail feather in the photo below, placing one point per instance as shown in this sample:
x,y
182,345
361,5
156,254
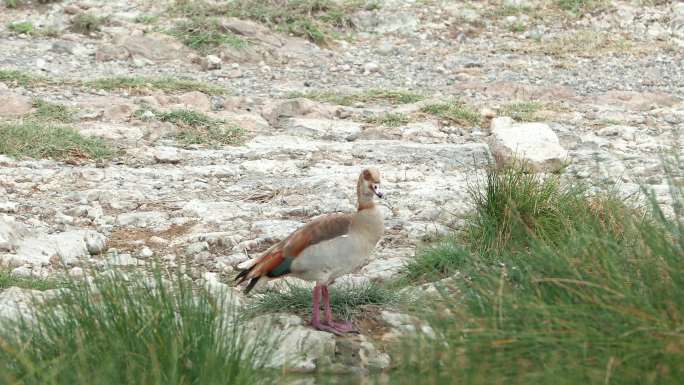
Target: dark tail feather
x,y
251,284
242,277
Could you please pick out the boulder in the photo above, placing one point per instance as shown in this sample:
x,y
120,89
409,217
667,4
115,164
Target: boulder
x,y
141,218
12,105
296,347
155,46
535,143
66,247
339,130
299,107
11,232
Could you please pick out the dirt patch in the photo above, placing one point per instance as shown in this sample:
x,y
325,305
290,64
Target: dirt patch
x,y
370,322
130,239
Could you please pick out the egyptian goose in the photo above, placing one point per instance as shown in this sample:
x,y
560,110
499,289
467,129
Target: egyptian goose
x,y
324,249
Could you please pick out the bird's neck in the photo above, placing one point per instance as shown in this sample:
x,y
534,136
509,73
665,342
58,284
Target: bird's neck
x,y
369,224
366,205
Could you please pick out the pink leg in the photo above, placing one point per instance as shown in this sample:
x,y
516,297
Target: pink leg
x,y
316,307
328,325
342,327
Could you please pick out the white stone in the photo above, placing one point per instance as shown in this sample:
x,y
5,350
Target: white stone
x,y
233,260
298,348
141,219
22,271
371,67
68,246
340,130
533,142
11,232
146,252
384,269
95,242
121,260
76,273
404,324
517,3
16,303
155,240
211,62
166,155
197,247
8,207
231,298
422,129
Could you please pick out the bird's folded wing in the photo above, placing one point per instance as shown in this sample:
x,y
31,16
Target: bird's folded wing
x,y
276,260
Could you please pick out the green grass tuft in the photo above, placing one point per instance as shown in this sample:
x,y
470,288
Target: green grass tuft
x,y
365,97
438,260
457,112
132,331
147,19
126,83
316,20
345,302
19,3
139,84
589,43
43,140
518,27
86,23
35,283
581,6
561,286
23,79
389,119
48,111
204,33
198,128
518,207
23,27
522,111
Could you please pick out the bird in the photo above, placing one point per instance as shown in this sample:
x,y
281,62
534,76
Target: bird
x,y
324,249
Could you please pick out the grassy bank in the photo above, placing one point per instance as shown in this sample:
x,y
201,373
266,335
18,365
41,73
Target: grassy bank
x,y
562,286
130,331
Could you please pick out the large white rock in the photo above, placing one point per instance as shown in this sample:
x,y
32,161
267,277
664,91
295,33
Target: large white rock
x,y
141,218
295,347
532,142
384,269
16,302
68,246
165,154
8,207
401,325
324,128
11,233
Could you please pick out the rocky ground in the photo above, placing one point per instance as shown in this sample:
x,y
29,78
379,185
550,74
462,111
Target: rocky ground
x,y
606,87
